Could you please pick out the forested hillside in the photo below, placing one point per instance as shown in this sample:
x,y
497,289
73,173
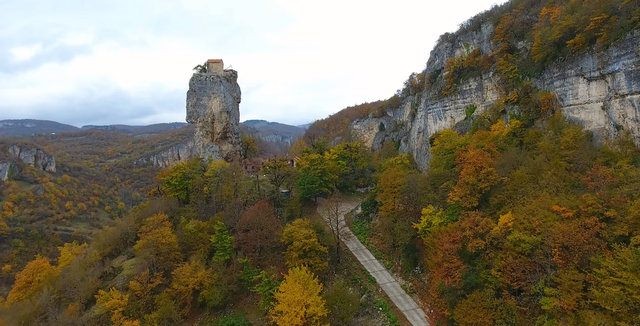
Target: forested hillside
x,y
214,245
513,215
519,216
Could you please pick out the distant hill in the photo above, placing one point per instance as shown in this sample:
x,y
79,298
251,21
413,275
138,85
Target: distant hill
x,y
138,130
273,131
30,127
267,131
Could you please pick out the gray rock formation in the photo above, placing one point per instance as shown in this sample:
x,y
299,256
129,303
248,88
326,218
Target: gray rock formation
x,y
169,156
599,90
213,107
34,157
5,168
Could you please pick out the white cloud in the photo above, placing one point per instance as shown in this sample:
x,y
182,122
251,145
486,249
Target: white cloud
x,y
25,52
297,60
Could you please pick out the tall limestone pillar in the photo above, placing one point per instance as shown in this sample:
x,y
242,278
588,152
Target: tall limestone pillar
x,y
213,107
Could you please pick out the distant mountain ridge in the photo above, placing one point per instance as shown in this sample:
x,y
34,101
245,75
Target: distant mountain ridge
x,y
148,129
32,127
268,131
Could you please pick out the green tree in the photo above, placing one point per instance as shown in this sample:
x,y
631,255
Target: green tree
x,y
315,176
222,241
178,180
351,163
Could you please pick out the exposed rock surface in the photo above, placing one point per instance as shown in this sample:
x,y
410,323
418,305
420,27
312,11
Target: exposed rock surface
x,y
34,157
5,167
170,155
599,90
213,107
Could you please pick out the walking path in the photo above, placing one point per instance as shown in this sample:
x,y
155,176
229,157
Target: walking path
x,y
414,314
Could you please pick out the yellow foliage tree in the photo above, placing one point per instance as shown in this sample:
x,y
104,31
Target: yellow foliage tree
x,y
157,243
303,246
187,279
31,279
141,289
68,252
114,302
298,300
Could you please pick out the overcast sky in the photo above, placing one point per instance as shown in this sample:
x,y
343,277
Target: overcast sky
x,y
129,61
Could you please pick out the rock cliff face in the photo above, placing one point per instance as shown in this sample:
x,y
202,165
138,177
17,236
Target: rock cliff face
x,y
599,90
34,157
170,155
213,110
5,168
213,107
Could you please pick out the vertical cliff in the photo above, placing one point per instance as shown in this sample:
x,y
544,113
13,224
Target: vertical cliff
x,y
213,108
213,112
599,89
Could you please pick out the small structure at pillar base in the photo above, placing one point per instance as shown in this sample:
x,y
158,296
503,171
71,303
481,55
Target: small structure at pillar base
x,y
215,66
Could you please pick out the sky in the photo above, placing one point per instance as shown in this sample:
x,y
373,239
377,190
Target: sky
x,y
129,61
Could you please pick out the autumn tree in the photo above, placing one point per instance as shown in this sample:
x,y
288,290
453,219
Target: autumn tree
x,y
157,244
616,288
431,220
188,280
303,246
31,279
258,232
279,172
477,176
178,180
249,145
68,252
298,300
226,190
114,302
483,308
351,163
142,290
400,189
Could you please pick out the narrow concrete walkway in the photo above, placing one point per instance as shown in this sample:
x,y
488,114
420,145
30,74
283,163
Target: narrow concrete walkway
x,y
413,313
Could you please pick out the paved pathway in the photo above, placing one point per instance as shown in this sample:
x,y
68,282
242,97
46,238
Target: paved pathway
x,y
414,314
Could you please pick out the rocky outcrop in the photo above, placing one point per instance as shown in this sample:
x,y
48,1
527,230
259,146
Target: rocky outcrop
x,y
34,157
599,90
5,168
169,156
213,107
